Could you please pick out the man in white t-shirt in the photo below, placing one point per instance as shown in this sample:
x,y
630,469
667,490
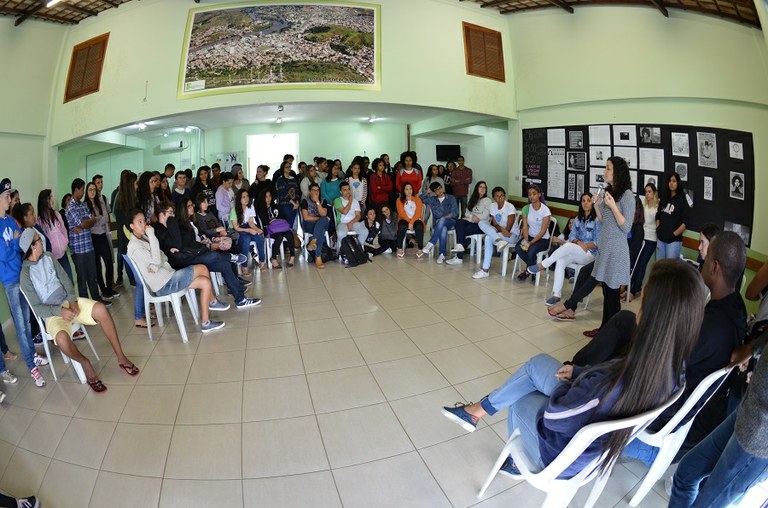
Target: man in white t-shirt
x,y
348,215
500,230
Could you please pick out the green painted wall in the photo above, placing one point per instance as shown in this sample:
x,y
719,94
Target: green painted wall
x,y
422,40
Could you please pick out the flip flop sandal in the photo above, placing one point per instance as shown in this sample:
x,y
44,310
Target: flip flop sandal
x,y
131,370
97,386
562,317
552,313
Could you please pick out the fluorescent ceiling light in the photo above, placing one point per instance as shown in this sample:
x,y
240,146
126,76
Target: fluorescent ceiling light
x,y
51,3
279,120
372,119
141,126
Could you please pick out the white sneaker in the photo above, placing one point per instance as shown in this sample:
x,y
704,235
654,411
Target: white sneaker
x,y
428,248
459,248
481,274
388,251
500,244
370,256
455,261
8,377
40,360
440,259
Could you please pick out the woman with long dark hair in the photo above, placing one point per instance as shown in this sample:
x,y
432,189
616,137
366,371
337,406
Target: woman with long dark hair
x,y
273,221
125,201
243,219
478,209
358,185
288,192
671,219
102,244
570,397
409,173
615,209
380,185
330,188
163,191
433,175
409,210
534,231
146,199
580,248
643,255
53,227
203,186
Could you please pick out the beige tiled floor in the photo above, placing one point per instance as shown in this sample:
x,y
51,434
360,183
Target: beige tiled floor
x,y
327,395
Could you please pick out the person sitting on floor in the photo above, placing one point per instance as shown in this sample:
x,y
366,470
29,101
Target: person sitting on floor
x,y
52,296
550,402
498,232
182,250
144,250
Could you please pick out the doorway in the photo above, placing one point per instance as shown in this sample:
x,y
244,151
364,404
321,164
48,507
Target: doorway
x,y
269,149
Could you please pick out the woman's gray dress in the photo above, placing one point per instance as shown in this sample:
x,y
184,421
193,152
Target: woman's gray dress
x,y
612,266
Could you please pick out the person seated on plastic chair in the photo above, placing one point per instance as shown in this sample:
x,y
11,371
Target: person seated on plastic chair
x,y
445,210
162,279
580,248
348,215
53,298
550,402
478,210
409,210
498,232
178,243
535,229
315,220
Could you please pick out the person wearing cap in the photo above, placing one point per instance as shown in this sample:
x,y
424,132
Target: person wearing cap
x,y
10,272
445,210
53,298
80,242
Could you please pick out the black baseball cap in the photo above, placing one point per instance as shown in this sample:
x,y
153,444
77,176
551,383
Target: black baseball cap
x,y
5,185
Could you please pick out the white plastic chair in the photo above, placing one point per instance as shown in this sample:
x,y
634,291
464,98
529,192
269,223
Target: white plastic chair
x,y
668,440
47,337
541,255
476,246
306,237
508,248
174,299
216,282
561,491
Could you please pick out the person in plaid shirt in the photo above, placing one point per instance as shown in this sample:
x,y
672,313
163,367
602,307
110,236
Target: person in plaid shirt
x,y
81,244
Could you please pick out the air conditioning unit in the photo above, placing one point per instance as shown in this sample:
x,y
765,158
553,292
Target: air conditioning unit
x,y
173,146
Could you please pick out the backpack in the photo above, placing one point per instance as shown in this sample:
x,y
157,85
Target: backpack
x,y
352,252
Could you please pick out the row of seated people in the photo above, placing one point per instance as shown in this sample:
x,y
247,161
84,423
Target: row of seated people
x,y
689,325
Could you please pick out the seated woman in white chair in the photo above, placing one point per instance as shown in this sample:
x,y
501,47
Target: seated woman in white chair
x,y
580,248
53,298
550,402
144,250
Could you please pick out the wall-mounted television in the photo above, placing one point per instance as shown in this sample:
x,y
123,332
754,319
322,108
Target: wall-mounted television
x,y
445,153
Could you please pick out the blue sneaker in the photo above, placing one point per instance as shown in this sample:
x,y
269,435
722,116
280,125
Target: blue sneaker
x,y
238,259
209,326
460,416
247,302
218,305
508,468
533,269
553,300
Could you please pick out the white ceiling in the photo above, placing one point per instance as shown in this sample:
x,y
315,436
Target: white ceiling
x,y
292,112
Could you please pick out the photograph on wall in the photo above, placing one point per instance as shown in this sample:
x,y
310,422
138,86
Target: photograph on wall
x,y
625,135
599,135
650,135
709,189
736,150
577,161
680,144
740,229
572,187
651,179
707,145
298,45
579,185
599,155
689,196
596,179
681,168
737,185
652,159
556,137
575,140
627,153
556,173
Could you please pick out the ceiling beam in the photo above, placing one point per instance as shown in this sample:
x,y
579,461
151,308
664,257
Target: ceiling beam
x,y
21,19
494,3
562,5
79,9
659,4
110,2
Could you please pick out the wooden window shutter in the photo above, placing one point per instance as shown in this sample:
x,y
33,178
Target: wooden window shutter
x,y
85,67
484,52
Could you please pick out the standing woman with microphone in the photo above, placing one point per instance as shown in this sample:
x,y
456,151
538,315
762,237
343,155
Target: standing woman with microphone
x,y
615,207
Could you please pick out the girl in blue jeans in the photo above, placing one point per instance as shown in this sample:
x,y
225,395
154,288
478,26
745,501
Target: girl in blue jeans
x,y
550,402
243,219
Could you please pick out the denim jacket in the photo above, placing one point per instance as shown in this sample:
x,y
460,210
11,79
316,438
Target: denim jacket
x,y
587,231
440,210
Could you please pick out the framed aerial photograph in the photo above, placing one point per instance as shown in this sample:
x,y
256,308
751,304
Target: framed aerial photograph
x,y
252,46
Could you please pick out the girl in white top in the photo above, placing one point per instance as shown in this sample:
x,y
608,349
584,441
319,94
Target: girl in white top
x,y
536,219
640,263
478,210
358,185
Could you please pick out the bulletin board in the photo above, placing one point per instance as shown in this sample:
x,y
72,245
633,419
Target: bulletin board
x,y
716,166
